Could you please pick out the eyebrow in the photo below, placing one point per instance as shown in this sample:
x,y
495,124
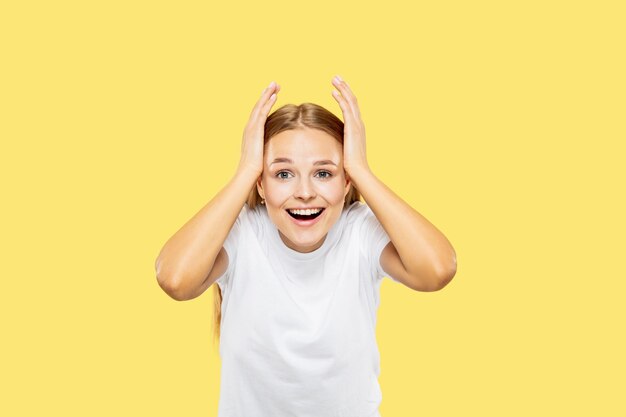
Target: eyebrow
x,y
322,162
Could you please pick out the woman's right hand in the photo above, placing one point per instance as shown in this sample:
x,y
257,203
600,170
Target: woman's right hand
x,y
252,143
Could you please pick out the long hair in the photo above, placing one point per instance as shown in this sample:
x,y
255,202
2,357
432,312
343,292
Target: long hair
x,y
290,117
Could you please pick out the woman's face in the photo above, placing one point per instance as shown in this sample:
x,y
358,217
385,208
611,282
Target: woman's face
x,y
303,169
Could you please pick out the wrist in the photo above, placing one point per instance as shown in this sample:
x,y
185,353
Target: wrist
x,y
248,170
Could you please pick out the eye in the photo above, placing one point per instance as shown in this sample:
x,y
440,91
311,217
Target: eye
x,y
283,175
328,174
278,175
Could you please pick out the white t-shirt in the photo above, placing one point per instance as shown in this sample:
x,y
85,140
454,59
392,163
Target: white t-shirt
x,y
298,329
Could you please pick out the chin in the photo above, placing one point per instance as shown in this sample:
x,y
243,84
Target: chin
x,y
304,239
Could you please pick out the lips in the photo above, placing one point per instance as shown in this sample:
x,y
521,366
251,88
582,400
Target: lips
x,y
303,217
305,208
306,221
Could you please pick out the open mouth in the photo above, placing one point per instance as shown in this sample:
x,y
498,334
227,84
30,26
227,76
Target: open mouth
x,y
302,216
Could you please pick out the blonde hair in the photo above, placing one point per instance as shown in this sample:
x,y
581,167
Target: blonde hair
x,y
289,117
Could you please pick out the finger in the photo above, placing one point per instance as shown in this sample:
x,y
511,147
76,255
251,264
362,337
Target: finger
x,y
271,88
345,91
352,100
265,96
269,103
343,104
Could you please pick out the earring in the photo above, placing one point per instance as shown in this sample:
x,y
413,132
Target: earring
x,y
262,201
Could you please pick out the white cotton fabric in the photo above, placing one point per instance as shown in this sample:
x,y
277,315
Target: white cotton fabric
x,y
298,329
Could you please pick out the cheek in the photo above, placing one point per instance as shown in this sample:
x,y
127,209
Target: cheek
x,y
332,192
276,194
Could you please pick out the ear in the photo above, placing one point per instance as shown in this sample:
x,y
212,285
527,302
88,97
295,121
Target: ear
x,y
348,183
259,187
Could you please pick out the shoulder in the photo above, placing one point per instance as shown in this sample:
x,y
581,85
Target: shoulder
x,y
254,218
358,212
358,218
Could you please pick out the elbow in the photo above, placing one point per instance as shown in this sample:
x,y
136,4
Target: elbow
x,y
439,277
169,283
445,279
446,274
173,288
432,281
435,283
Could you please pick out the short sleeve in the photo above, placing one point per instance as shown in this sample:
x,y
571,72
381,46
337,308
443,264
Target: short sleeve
x,y
374,240
230,246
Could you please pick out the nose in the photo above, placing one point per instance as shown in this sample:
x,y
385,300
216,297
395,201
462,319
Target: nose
x,y
304,190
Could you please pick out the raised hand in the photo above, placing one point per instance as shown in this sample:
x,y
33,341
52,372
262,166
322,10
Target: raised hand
x,y
354,156
252,143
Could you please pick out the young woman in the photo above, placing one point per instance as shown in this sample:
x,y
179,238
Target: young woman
x,y
298,261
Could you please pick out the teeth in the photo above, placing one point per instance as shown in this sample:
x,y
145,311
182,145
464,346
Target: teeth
x,y
306,212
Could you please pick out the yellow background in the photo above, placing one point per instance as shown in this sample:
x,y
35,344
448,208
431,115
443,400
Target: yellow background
x,y
500,122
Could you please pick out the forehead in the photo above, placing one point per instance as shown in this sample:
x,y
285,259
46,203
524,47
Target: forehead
x,y
303,145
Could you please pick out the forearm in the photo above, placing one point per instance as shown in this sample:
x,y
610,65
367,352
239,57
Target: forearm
x,y
424,251
188,256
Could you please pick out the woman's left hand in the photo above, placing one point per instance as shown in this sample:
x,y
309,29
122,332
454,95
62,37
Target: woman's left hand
x,y
354,157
